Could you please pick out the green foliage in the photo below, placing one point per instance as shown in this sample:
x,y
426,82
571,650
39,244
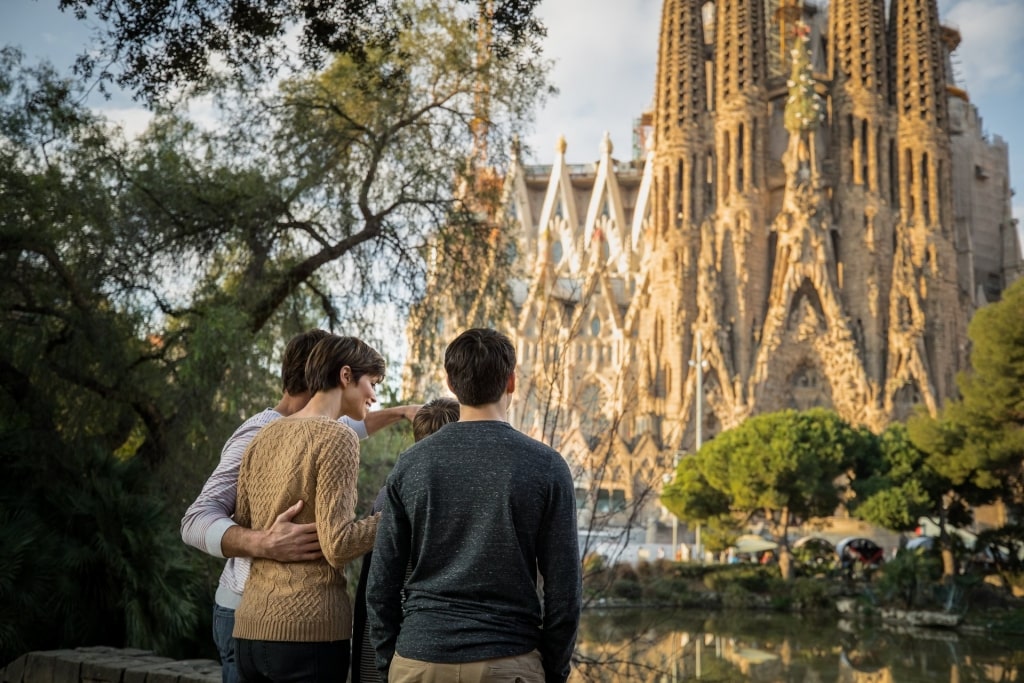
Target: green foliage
x,y
663,583
719,533
147,288
735,596
750,578
907,576
88,556
625,583
978,443
986,444
156,52
779,467
815,558
972,454
377,457
809,593
902,488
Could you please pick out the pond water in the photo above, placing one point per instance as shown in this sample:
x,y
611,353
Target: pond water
x,y
665,646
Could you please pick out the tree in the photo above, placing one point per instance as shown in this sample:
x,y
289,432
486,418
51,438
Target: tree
x,y
908,485
973,451
778,468
337,177
148,285
986,426
153,47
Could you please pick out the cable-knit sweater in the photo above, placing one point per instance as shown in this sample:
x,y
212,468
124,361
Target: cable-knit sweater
x,y
314,459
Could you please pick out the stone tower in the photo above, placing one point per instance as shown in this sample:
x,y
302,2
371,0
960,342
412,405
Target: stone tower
x,y
927,343
867,179
683,196
736,238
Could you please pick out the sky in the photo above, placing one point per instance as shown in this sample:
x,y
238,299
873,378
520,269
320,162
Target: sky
x,y
605,54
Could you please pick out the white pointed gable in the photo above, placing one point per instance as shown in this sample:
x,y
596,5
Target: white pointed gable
x,y
605,215
559,218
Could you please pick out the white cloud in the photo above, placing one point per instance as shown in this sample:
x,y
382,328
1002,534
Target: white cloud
x,y
132,120
204,113
605,53
991,51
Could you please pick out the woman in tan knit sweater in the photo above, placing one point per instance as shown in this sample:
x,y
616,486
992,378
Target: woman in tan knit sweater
x,y
295,620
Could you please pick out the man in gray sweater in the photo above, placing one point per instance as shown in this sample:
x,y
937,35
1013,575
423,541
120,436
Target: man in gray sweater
x,y
482,513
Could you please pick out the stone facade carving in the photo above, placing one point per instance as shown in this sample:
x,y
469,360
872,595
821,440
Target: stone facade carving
x,y
816,197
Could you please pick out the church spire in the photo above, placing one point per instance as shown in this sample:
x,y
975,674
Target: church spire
x,y
740,182
866,178
681,84
926,343
679,203
919,60
740,52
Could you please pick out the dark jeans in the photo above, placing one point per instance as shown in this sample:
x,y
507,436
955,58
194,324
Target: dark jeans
x,y
223,625
265,661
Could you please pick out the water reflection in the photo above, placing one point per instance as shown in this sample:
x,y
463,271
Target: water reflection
x,y
666,647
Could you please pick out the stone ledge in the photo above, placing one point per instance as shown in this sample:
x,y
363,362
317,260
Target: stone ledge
x,y
107,665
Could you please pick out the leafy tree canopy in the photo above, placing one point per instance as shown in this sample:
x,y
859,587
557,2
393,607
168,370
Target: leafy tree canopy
x,y
155,47
146,286
778,467
985,434
903,488
972,454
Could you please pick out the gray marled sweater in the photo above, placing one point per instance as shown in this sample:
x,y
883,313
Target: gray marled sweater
x,y
480,510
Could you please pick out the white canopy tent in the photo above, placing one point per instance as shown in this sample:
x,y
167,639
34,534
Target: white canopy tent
x,y
752,543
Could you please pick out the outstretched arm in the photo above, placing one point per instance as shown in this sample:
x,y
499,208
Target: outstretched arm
x,y
385,417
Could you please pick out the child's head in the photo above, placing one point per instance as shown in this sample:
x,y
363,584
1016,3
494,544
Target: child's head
x,y
434,415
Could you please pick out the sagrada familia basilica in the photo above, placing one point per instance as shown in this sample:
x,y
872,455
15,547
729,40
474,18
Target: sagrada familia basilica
x,y
811,218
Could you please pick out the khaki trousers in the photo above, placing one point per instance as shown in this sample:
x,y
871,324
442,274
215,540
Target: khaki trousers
x,y
520,669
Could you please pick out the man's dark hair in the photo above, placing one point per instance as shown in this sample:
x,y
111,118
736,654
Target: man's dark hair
x,y
331,354
434,415
293,364
479,364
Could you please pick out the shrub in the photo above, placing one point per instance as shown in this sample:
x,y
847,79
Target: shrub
x,y
810,594
626,588
905,577
735,596
752,578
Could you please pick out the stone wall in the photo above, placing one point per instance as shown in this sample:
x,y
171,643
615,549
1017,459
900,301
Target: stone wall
x,y
107,665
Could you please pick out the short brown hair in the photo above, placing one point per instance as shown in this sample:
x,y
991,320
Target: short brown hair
x,y
434,415
293,363
479,364
331,354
